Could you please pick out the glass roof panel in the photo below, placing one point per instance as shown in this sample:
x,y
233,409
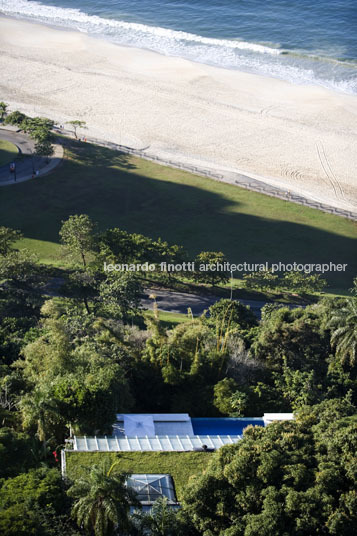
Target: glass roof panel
x,y
150,487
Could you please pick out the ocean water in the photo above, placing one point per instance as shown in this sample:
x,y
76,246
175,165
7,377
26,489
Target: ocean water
x,y
301,41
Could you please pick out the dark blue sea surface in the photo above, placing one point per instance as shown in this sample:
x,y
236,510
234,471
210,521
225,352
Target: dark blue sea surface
x,y
299,41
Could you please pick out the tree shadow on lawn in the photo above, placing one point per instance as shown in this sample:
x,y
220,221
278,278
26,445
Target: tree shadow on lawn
x,y
97,156
109,188
7,156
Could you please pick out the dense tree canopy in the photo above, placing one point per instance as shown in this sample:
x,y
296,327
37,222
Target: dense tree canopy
x,y
24,500
291,478
71,360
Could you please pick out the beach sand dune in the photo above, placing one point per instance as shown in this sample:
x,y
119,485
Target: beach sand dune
x,y
300,138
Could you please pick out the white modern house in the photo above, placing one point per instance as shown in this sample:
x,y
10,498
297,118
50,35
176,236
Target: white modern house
x,y
168,433
154,432
165,433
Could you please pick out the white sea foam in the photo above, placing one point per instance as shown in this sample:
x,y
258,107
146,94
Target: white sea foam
x,y
76,18
227,53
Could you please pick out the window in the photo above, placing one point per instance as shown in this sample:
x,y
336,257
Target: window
x,y
149,488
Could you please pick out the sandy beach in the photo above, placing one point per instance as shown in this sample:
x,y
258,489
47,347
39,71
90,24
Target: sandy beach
x,y
300,138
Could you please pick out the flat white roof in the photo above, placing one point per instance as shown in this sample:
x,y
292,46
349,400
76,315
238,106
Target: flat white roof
x,y
152,424
167,417
139,425
278,416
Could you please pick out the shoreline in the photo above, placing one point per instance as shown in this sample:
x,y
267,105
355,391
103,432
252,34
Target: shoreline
x,y
189,112
265,47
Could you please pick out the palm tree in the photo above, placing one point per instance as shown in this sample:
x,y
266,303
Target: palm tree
x,y
3,108
160,521
343,325
38,409
102,500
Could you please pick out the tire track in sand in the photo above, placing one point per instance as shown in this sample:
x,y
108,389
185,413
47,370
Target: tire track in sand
x,y
325,164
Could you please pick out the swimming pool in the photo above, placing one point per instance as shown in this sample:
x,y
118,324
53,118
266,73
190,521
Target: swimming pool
x,y
223,426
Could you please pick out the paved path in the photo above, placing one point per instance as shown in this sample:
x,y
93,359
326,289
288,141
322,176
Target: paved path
x,y
179,302
26,162
169,301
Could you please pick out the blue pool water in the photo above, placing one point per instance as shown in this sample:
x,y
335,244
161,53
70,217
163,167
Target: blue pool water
x,y
223,426
297,40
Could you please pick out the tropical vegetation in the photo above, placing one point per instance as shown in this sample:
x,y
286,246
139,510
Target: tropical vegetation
x,y
76,348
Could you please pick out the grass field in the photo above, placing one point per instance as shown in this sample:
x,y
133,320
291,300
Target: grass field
x,y
8,151
170,320
117,190
180,465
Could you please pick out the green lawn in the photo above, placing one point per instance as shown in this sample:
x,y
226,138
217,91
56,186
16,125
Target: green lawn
x,y
8,151
170,320
180,465
201,214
